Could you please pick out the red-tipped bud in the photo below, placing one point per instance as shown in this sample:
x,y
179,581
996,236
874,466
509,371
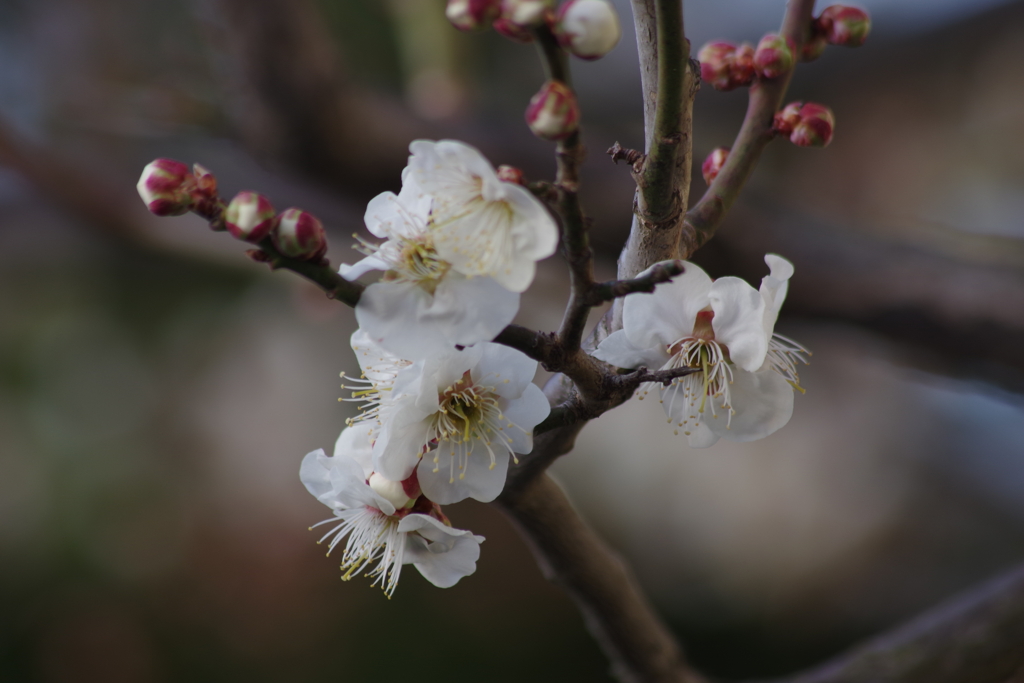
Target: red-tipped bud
x,y
813,48
846,26
249,216
511,174
509,29
472,15
588,28
411,486
815,126
716,64
553,113
774,56
787,119
742,72
206,182
166,187
713,164
300,234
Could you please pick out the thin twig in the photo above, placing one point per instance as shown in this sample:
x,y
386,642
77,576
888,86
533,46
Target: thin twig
x,y
756,132
614,289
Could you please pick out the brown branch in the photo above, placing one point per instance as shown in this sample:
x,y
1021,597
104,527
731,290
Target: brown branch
x,y
766,97
615,611
614,289
977,637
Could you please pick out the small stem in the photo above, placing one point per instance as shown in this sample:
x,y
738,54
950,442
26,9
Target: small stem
x,y
661,272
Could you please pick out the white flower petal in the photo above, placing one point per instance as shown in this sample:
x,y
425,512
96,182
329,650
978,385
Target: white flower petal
x,y
472,310
739,321
392,314
355,443
361,268
396,452
774,287
763,402
668,314
701,436
448,485
525,413
617,350
315,474
509,371
443,555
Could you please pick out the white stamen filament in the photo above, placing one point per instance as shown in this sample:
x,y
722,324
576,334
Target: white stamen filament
x,y
711,382
372,537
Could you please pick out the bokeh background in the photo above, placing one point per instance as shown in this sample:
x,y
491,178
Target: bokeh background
x,y
158,390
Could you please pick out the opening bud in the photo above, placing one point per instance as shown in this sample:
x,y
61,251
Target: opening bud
x,y
553,112
588,28
713,164
815,126
166,187
511,174
787,119
300,234
846,26
472,15
391,491
774,56
249,216
726,66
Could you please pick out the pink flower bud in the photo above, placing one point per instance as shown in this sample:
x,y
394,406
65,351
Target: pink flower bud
x,y
300,234
509,29
511,174
471,15
249,216
166,187
743,71
774,56
815,126
205,200
813,48
588,28
846,26
553,113
713,164
726,66
787,119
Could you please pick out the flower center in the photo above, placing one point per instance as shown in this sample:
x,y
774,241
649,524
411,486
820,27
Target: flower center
x,y
468,417
417,261
707,388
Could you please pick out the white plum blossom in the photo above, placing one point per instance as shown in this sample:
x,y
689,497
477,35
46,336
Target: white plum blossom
x,y
742,389
456,419
378,371
422,306
385,524
481,225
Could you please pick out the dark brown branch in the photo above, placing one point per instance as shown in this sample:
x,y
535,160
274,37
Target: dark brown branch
x,y
614,289
631,156
320,274
977,637
615,611
766,97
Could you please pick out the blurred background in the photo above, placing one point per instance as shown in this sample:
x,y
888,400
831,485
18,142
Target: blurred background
x,y
158,390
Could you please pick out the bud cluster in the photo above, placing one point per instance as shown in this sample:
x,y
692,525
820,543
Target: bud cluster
x,y
589,29
806,124
726,66
169,189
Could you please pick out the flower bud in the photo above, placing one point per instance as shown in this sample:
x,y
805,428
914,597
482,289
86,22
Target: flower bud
x,y
588,28
471,15
846,26
726,66
774,56
713,164
509,29
553,113
787,119
813,48
391,491
527,14
249,216
743,71
511,174
166,187
815,126
300,234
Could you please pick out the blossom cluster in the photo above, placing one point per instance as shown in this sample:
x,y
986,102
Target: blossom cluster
x,y
444,409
